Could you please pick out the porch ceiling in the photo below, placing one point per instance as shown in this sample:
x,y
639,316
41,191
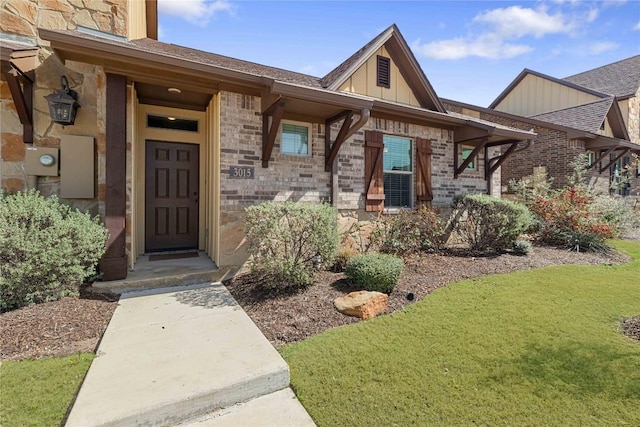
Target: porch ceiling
x,y
161,95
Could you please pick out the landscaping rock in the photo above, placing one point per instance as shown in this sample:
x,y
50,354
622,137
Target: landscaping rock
x,y
362,304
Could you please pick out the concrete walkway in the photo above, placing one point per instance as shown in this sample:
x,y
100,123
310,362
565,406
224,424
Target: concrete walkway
x,y
185,356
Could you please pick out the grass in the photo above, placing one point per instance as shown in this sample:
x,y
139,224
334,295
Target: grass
x,y
38,392
540,347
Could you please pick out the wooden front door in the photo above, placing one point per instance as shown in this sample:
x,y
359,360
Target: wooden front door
x,y
171,205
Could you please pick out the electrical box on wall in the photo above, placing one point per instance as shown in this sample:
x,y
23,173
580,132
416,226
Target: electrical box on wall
x,y
77,167
41,161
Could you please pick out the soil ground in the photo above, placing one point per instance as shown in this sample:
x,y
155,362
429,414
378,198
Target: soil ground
x,y
76,324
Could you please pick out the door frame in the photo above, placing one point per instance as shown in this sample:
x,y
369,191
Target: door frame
x,y
145,133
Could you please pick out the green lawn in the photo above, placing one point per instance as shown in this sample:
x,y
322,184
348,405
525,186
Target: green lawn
x,y
38,392
532,348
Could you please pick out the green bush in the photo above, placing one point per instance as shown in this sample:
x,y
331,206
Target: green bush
x,y
411,231
488,224
47,249
289,241
521,247
617,212
375,272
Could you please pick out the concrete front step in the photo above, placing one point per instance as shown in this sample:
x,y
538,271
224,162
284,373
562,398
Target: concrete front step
x,y
167,273
278,409
175,354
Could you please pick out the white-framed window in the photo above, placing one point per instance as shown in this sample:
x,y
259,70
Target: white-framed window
x,y
591,157
397,161
295,138
466,152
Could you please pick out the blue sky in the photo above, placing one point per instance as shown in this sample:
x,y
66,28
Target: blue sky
x,y
469,50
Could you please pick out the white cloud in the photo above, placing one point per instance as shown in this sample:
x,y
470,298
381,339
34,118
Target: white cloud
x,y
597,48
197,12
488,45
516,21
592,15
637,26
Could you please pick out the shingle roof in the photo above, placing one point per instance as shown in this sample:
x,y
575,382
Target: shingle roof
x,y
216,60
586,117
620,79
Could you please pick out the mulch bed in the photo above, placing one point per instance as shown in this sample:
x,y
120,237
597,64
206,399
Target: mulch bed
x,y
74,324
58,328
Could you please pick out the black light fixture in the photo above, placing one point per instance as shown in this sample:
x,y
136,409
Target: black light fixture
x,y
62,104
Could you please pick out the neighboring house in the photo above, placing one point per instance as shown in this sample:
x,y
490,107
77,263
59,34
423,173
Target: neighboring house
x,y
597,111
171,143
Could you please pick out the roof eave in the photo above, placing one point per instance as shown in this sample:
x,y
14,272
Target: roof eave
x,y
67,45
338,99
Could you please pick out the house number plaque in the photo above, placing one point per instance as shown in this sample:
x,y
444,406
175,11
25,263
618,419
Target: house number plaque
x,y
242,172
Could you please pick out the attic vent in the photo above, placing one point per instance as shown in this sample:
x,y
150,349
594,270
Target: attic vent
x,y
384,72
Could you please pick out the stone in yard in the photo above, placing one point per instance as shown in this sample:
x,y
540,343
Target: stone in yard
x,y
362,304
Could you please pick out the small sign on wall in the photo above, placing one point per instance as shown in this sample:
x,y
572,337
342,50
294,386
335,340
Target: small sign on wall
x,y
242,172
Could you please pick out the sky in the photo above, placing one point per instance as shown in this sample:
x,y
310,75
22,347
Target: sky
x,y
469,50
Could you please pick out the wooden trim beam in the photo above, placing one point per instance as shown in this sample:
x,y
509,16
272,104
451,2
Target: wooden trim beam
x,y
618,157
490,169
269,133
473,155
331,154
114,262
151,18
601,157
22,99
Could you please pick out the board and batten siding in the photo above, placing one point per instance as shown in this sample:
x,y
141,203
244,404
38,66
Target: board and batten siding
x,y
536,95
364,82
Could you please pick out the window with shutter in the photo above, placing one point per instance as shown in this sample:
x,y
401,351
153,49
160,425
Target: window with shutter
x,y
398,171
384,72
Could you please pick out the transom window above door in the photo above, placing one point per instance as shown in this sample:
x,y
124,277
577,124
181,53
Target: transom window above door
x,y
397,159
171,122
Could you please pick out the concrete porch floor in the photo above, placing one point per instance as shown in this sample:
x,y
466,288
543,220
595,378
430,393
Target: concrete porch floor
x,y
148,274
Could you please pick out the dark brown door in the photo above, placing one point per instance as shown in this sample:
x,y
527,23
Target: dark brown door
x,y
171,219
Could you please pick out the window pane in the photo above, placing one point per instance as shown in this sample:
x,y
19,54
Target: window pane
x,y
397,190
295,139
397,154
466,152
168,122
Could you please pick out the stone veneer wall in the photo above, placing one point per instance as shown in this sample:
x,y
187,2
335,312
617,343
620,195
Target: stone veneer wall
x,y
633,121
19,20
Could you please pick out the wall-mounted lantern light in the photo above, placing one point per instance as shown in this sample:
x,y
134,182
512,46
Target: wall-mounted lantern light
x,y
62,104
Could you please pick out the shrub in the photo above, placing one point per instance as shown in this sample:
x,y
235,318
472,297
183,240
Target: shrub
x,y
289,241
374,271
564,218
411,231
521,247
616,212
488,224
47,249
342,257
